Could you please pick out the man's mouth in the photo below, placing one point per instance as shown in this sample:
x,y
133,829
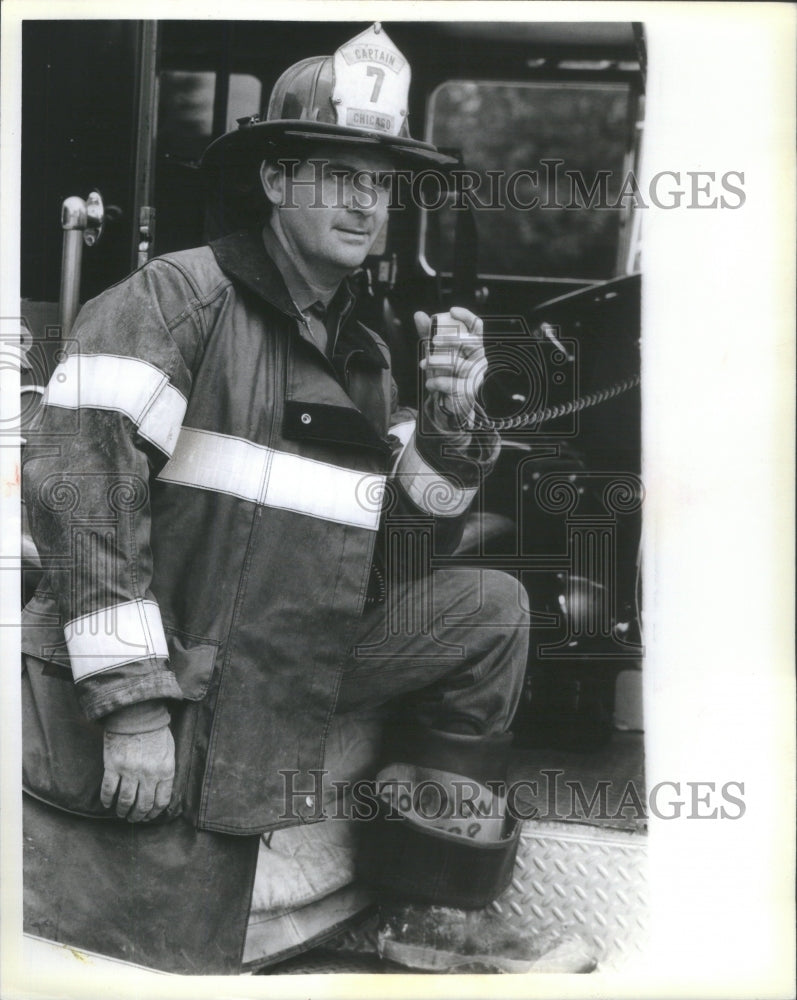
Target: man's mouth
x,y
352,231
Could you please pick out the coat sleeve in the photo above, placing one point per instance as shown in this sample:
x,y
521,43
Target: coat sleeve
x,y
437,471
109,421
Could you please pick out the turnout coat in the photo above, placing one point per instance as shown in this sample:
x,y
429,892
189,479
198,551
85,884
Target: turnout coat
x,y
207,491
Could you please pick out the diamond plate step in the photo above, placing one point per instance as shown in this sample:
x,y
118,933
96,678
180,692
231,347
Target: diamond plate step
x,y
569,880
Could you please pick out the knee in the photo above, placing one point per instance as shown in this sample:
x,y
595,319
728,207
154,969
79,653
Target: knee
x,y
504,599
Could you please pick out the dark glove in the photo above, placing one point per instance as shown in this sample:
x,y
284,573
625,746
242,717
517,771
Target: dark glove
x,y
138,754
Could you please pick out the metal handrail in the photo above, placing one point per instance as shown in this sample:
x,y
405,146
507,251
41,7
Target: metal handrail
x,y
83,223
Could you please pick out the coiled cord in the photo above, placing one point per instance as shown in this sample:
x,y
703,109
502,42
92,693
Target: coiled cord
x,y
482,421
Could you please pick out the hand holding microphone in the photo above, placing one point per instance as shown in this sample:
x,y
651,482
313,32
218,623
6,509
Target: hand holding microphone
x,y
455,363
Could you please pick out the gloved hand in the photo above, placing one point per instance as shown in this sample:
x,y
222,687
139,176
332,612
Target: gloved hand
x,y
455,373
139,765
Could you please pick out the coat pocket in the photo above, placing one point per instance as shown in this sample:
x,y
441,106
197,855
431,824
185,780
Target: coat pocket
x,y
192,659
62,750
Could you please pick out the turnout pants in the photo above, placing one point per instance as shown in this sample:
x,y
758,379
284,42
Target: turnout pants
x,y
450,651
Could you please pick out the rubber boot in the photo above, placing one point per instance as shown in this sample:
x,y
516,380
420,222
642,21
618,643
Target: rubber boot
x,y
443,837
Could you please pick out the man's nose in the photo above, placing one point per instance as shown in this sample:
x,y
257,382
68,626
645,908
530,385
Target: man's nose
x,y
362,195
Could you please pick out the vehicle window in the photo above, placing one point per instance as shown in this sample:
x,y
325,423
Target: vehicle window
x,y
509,128
185,122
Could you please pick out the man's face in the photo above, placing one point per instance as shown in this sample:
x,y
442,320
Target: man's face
x,y
329,208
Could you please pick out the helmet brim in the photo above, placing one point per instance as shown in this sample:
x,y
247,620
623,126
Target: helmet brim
x,y
260,140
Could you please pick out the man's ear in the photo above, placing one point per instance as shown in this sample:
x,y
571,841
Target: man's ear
x,y
272,177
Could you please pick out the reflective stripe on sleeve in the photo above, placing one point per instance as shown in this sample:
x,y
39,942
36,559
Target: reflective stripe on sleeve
x,y
263,475
427,488
162,421
127,385
114,636
403,431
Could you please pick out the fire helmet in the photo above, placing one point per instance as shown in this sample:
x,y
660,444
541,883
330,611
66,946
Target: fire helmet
x,y
359,95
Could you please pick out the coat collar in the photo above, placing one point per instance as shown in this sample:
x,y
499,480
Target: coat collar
x,y
243,257
301,291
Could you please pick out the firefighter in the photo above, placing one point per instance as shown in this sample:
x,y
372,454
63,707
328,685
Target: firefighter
x,y
227,462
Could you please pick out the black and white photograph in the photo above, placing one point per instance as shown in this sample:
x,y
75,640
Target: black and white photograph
x,y
397,464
